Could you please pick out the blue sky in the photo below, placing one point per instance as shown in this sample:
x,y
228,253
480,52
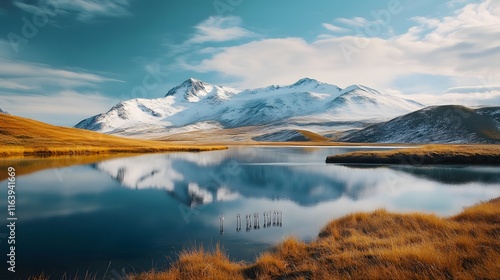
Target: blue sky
x,y
62,60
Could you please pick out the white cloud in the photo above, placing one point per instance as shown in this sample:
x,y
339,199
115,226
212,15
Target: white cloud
x,y
84,9
64,108
219,29
462,47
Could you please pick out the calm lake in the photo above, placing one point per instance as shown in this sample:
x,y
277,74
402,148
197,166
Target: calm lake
x,y
137,213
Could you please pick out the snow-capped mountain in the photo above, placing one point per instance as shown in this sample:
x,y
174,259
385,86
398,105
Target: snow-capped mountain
x,y
437,124
196,105
3,112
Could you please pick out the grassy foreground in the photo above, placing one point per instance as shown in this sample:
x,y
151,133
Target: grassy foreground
x,y
376,245
21,137
428,154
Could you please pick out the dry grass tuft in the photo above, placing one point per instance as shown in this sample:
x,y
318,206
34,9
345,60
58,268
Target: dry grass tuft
x,y
198,264
376,245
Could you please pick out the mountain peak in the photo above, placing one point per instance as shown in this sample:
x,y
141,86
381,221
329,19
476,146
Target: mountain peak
x,y
192,89
357,87
305,81
313,85
193,82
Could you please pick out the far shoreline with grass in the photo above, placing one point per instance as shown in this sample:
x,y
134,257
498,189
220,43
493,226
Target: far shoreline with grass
x,y
435,154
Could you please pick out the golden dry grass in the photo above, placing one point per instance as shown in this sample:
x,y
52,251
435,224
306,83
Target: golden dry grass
x,y
20,136
376,245
314,137
199,264
427,154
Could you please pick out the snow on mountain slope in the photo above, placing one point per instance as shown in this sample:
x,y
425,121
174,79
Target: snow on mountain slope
x,y
132,113
437,124
493,112
198,105
353,108
358,102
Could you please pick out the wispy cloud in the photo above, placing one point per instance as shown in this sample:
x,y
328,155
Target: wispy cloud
x,y
215,29
353,22
474,89
471,99
22,75
219,29
12,84
74,106
334,28
334,31
84,10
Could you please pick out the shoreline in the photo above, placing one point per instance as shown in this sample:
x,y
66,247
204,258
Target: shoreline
x,y
425,155
9,152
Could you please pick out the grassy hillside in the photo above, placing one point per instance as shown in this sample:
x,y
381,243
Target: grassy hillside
x,y
428,154
437,124
314,136
376,245
20,136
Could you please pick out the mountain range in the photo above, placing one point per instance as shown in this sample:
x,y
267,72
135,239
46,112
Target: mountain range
x,y
303,111
198,106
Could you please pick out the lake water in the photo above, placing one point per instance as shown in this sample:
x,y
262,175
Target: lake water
x,y
137,213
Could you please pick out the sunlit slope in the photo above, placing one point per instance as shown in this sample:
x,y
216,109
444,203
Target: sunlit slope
x,y
21,136
291,135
